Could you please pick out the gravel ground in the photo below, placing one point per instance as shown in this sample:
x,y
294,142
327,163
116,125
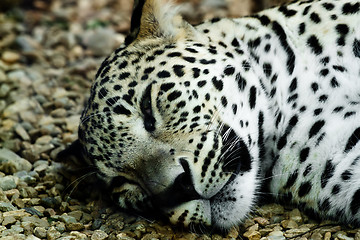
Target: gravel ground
x,y
48,57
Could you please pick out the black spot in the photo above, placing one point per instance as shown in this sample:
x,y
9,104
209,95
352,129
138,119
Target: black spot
x,y
119,109
316,127
304,153
306,10
355,203
229,70
338,109
323,98
179,70
191,50
314,44
283,139
267,68
315,17
324,72
174,54
356,48
123,65
339,68
254,43
304,189
149,70
102,93
301,28
218,84
174,95
201,83
264,20
196,109
252,97
346,175
334,83
336,189
206,62
196,72
189,59
342,29
349,114
349,8
293,85
327,174
224,101
314,87
167,86
353,140
307,170
235,43
279,31
111,101
234,108
287,12
317,111
163,74
241,82
328,6
291,180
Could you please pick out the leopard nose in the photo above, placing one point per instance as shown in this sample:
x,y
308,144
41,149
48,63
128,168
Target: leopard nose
x,y
182,190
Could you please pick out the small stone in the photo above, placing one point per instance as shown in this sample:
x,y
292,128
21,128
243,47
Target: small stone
x,y
295,215
270,210
36,221
276,235
99,235
10,57
233,233
67,219
17,214
252,235
51,202
10,162
59,113
342,236
316,236
261,221
78,235
40,232
74,226
7,183
296,231
52,233
8,220
289,224
76,214
22,132
6,206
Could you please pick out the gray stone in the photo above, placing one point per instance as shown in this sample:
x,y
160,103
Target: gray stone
x,y
6,206
8,182
10,162
67,219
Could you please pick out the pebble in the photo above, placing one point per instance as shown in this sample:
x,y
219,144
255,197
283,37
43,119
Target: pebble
x,y
40,232
99,235
8,182
6,206
10,57
10,162
8,220
52,233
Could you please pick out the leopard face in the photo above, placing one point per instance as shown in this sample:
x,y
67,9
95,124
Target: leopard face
x,y
153,128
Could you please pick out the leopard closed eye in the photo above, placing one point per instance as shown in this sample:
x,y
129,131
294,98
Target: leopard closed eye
x,y
196,121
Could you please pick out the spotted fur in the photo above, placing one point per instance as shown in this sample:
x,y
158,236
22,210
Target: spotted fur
x,y
195,120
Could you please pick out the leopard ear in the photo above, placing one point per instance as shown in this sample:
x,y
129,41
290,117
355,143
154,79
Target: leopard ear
x,y
156,19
